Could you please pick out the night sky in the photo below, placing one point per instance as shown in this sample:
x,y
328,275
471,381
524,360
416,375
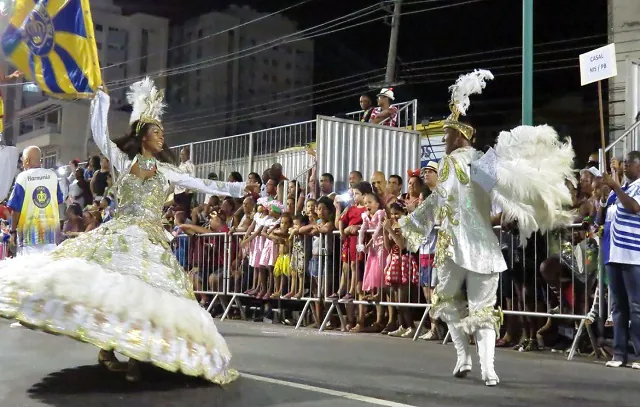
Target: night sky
x,y
437,46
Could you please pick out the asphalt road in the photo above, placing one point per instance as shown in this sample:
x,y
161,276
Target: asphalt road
x,y
282,367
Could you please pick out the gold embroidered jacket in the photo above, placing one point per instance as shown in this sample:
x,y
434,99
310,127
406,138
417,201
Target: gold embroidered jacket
x,y
463,211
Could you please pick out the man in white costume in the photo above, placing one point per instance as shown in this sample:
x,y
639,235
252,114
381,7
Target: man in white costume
x,y
467,248
35,220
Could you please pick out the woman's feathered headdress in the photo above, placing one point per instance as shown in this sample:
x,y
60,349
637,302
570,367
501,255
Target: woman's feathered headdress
x,y
147,103
466,85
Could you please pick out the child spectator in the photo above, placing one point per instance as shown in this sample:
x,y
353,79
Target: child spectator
x,y
401,269
255,241
269,252
323,226
75,222
376,255
207,255
92,218
107,209
349,225
282,266
298,258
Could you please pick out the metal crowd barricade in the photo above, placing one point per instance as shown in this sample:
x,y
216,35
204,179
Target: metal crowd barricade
x,y
204,258
242,281
533,286
388,292
555,278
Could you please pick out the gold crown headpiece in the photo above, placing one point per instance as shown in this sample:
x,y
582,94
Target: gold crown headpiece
x,y
147,103
466,85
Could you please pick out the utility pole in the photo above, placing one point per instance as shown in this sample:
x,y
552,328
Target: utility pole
x,y
527,62
390,76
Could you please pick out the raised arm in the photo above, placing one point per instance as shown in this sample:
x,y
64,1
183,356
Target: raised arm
x,y
186,181
419,224
100,131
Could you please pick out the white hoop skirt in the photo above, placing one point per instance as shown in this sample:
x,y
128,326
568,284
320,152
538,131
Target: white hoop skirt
x,y
120,288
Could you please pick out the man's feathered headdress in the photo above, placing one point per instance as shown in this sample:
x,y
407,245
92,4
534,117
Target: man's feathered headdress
x,y
147,103
466,85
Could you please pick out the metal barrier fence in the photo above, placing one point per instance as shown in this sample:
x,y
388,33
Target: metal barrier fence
x,y
255,151
554,277
258,150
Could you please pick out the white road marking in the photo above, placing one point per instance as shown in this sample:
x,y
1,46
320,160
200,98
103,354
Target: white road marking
x,y
335,393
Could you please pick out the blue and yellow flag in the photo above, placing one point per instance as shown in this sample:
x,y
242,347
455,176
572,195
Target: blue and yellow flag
x,y
53,43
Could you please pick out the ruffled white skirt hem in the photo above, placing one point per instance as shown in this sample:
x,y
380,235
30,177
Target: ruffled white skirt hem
x,y
113,311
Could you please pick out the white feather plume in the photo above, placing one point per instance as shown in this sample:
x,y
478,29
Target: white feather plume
x,y
466,85
146,100
532,168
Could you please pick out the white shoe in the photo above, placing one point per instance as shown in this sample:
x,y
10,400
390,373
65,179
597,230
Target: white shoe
x,y
486,340
398,332
615,363
635,365
461,342
429,336
16,325
409,333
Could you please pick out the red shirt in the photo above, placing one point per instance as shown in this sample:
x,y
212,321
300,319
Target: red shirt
x,y
5,212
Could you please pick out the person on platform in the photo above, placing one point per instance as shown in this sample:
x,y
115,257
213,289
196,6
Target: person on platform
x,y
119,287
467,249
35,217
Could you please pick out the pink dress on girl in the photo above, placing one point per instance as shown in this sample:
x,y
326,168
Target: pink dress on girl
x,y
269,252
376,254
255,250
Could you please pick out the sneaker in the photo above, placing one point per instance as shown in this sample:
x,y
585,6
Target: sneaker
x,y
635,365
619,363
398,333
429,336
408,333
15,325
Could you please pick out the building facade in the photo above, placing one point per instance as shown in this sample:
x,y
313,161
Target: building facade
x,y
624,89
238,90
60,128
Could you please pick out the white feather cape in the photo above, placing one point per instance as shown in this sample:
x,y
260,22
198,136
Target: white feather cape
x,y
532,168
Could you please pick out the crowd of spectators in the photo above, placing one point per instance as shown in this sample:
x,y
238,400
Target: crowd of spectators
x,y
300,239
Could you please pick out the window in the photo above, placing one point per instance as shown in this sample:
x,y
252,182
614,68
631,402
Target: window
x,y
199,52
98,27
266,61
113,29
49,159
274,79
274,62
253,42
99,46
288,65
265,77
200,33
30,87
288,81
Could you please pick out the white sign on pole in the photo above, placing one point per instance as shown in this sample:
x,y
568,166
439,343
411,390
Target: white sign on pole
x,y
598,64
